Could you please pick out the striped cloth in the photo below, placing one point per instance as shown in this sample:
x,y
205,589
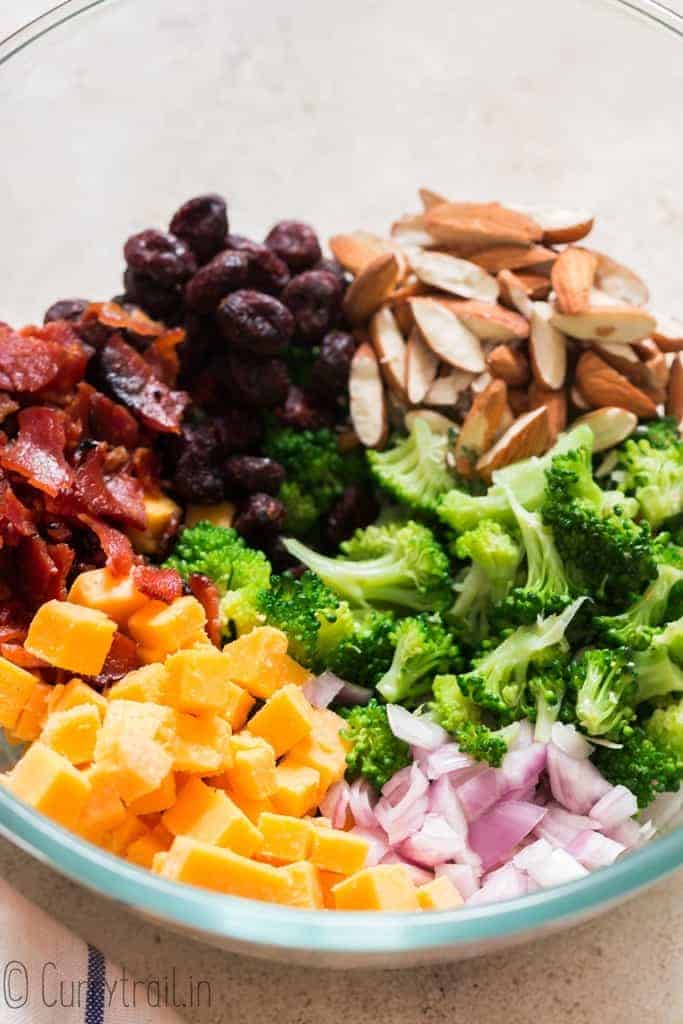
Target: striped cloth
x,y
50,976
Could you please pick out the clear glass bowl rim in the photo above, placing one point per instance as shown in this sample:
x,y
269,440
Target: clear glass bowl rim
x,y
275,927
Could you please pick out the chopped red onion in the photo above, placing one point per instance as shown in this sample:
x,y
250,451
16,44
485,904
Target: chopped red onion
x,y
464,878
351,694
362,798
629,834
577,785
335,803
614,807
418,875
506,884
481,792
533,854
414,729
495,834
523,767
435,843
559,867
560,827
594,850
443,800
570,741
399,826
321,691
409,781
378,847
445,759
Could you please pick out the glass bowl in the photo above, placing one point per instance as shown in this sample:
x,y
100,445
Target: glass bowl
x,y
112,113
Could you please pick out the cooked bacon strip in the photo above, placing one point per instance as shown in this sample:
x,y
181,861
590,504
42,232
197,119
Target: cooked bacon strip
x,y
116,546
38,451
14,621
26,363
130,496
16,520
132,381
112,315
206,593
122,658
159,584
162,355
72,353
42,570
111,422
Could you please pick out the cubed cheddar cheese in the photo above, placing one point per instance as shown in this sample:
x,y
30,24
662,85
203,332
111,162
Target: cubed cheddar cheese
x,y
252,808
168,627
341,852
73,732
76,693
70,636
121,837
222,514
143,850
197,680
306,890
385,887
439,894
296,789
285,839
201,745
116,596
32,717
161,512
16,687
328,880
283,720
142,684
259,662
158,800
238,705
51,784
223,870
104,810
137,719
322,749
143,765
209,815
252,773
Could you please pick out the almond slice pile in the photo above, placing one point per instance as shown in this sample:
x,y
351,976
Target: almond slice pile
x,y
504,322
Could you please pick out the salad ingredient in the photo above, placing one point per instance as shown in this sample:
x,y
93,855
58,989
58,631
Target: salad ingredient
x,y
71,637
423,646
309,613
376,753
414,471
646,765
651,469
366,398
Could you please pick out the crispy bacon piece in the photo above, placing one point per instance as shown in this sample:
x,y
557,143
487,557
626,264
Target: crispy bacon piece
x,y
111,422
27,364
19,656
14,621
162,355
73,353
159,584
38,451
206,593
132,381
122,659
16,520
7,406
42,570
112,315
116,546
130,495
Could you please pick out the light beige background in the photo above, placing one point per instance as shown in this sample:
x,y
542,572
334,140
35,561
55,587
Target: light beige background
x,y
626,967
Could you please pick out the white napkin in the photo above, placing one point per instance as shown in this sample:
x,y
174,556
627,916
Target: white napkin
x,y
49,976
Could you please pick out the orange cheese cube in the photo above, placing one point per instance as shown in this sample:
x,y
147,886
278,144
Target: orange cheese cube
x,y
201,745
133,719
439,894
252,808
158,800
252,773
116,596
16,687
341,852
207,814
143,850
162,513
70,636
51,784
32,718
385,887
296,789
259,662
167,627
121,837
104,810
306,890
142,684
222,514
163,835
158,861
238,705
76,693
283,720
285,839
328,880
197,680
323,748
143,765
73,733
220,869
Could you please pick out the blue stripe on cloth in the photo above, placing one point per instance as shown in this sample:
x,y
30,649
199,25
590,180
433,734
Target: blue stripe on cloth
x,y
94,1000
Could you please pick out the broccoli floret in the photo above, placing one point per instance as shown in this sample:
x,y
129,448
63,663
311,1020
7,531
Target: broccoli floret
x,y
499,678
376,754
495,558
665,728
396,565
545,695
463,719
423,647
636,626
605,554
414,470
651,468
239,572
301,509
603,685
366,655
314,618
642,764
657,669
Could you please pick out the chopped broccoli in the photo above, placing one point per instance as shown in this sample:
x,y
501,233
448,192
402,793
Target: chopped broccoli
x,y
665,728
545,695
301,509
485,583
376,754
603,684
366,655
423,647
642,764
463,719
651,468
636,626
606,554
657,669
414,470
399,565
239,572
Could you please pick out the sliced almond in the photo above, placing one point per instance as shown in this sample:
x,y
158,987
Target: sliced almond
x,y
572,278
624,359
411,231
454,275
390,349
514,294
436,421
556,404
537,287
367,402
654,364
618,281
508,364
447,336
560,226
547,349
490,322
480,224
481,426
600,384
529,435
428,198
624,324
422,364
577,399
674,396
610,425
445,391
518,400
515,257
669,334
372,287
358,249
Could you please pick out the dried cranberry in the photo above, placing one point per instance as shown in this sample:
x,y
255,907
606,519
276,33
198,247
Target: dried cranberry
x,y
247,474
225,273
260,515
355,509
314,298
237,433
260,384
254,323
267,272
197,457
162,257
300,410
334,267
296,243
202,223
330,372
66,309
157,300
